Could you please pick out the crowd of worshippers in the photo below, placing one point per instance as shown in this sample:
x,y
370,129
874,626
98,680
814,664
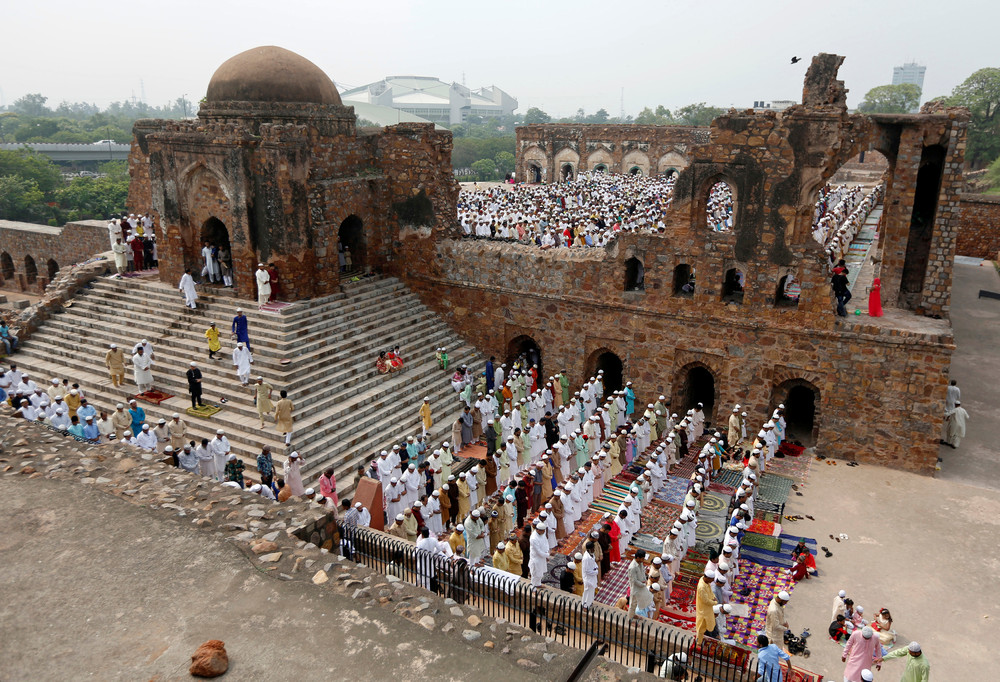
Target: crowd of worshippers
x,y
133,242
588,211
719,208
840,214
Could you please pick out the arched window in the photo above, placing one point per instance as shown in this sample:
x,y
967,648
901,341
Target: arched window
x,y
567,172
612,366
526,348
787,293
732,286
801,400
601,168
635,275
534,174
30,271
351,244
52,268
720,207
684,280
693,384
6,265
635,170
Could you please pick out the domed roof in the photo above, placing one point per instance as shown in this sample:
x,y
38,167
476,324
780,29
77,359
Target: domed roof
x,y
271,74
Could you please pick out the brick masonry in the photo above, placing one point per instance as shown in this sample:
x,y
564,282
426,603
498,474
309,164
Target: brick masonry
x,y
979,231
48,249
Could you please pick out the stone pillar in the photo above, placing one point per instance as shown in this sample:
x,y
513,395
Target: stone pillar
x,y
898,212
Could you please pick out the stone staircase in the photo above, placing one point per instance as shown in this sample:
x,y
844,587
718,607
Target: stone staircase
x,y
344,411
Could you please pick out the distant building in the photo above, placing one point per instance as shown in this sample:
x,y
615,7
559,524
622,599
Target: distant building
x,y
909,73
433,99
773,105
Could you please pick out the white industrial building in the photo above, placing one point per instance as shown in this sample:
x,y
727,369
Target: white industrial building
x,y
433,99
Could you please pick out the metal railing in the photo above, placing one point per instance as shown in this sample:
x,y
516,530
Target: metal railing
x,y
637,642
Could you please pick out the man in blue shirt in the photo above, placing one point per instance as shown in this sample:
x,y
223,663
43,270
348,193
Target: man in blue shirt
x,y
10,342
90,430
769,658
138,416
240,330
85,410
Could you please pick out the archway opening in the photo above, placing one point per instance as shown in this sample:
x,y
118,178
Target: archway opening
x,y
351,244
6,266
601,168
534,173
719,207
684,280
567,172
787,293
30,271
215,233
614,370
918,243
801,401
670,172
526,349
52,268
635,275
635,170
732,286
697,386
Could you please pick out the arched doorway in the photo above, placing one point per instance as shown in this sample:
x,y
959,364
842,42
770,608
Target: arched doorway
x,y
635,275
30,271
787,293
684,280
732,286
52,268
6,266
215,233
601,168
534,173
695,384
351,240
802,402
526,346
635,170
720,207
614,370
567,172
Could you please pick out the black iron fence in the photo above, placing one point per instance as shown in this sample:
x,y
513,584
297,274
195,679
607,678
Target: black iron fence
x,y
638,642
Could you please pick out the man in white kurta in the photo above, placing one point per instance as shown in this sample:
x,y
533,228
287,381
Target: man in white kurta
x,y
293,474
263,285
538,556
956,424
590,571
142,365
242,359
187,286
219,447
211,266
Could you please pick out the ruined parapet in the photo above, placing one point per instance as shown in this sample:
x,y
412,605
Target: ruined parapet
x,y
821,87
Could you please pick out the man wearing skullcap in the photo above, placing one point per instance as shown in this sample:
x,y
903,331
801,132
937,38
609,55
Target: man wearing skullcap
x,y
539,554
863,650
775,623
917,668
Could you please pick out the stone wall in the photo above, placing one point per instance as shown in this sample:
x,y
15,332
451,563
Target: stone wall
x,y
979,231
48,248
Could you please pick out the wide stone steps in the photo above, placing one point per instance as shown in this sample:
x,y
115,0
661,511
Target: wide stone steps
x,y
344,411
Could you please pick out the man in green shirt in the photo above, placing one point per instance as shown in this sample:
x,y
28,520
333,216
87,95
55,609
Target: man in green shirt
x,y
917,667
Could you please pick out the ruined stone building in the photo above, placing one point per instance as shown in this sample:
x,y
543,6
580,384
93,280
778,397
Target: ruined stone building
x,y
275,166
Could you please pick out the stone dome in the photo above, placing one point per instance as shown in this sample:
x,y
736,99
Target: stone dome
x,y
271,74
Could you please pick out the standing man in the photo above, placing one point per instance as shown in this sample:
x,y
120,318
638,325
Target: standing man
x,y
775,624
242,359
263,286
538,557
187,287
114,359
239,329
262,399
917,667
840,285
956,425
425,416
121,255
863,651
194,386
954,395
142,365
769,658
590,574
265,466
704,603
176,430
293,474
211,270
219,448
212,334
283,416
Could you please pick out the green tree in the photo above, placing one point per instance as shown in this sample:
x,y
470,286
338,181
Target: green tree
x,y
505,163
992,177
536,115
32,105
20,199
697,114
891,99
485,170
980,93
93,198
32,166
661,116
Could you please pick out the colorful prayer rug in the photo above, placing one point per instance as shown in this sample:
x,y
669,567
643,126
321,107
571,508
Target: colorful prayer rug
x,y
764,528
766,516
729,477
761,541
673,491
774,488
763,582
614,585
792,467
715,503
780,558
686,467
716,487
205,411
711,526
153,397
790,450
275,306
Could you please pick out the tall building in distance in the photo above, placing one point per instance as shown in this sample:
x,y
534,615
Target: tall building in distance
x,y
433,99
910,72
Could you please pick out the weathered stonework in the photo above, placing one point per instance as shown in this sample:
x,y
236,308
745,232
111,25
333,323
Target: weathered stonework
x,y
979,231
48,248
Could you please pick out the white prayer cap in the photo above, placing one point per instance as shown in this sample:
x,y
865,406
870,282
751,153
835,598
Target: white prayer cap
x,y
309,491
56,381
709,573
255,488
436,493
230,458
784,596
120,406
914,647
744,414
867,632
460,527
175,416
144,342
400,517
662,397
489,421
649,405
220,432
501,546
723,566
540,526
571,565
859,609
866,675
781,406
713,440
842,594
416,504
446,486
475,513
145,427
59,397
744,507
409,438
392,480
426,399
657,561
444,444
294,454
260,265
736,409
239,345
728,548
90,417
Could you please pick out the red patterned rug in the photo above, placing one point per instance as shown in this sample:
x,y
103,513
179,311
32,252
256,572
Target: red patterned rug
x,y
153,397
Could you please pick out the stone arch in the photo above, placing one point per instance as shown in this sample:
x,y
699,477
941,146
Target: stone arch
x,y
206,199
734,283
672,161
6,266
719,204
614,369
351,236
802,401
696,383
600,157
528,346
535,161
684,280
635,159
30,270
787,293
635,275
51,267
567,158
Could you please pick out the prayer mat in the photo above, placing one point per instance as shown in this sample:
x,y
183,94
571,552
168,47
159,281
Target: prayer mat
x,y
763,582
729,477
778,558
153,397
792,467
274,306
715,503
769,507
799,675
614,586
716,487
205,411
790,449
711,526
473,451
647,542
766,516
686,467
764,528
774,488
762,541
673,490
556,566
659,517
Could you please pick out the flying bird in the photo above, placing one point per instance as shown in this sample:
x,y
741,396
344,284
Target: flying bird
x,y
795,60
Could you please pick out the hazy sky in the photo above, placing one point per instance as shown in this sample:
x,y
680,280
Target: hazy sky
x,y
554,54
